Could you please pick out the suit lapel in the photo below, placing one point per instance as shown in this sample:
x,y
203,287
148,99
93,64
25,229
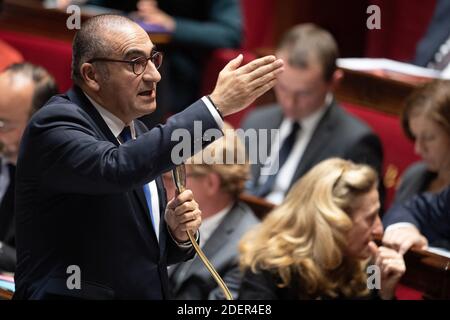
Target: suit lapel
x,y
139,193
162,207
272,123
77,96
211,248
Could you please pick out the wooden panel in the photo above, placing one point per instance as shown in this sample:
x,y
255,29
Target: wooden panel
x,y
427,272
376,92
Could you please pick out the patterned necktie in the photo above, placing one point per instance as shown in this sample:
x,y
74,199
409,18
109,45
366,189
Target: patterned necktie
x,y
124,136
286,148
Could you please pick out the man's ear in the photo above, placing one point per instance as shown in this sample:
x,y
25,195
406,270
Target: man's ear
x,y
214,183
336,78
90,76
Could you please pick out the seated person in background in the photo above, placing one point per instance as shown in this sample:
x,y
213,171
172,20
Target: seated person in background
x,y
198,27
225,219
433,50
312,126
423,219
24,89
426,121
318,242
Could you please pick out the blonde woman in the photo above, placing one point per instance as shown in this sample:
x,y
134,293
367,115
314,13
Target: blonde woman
x,y
317,244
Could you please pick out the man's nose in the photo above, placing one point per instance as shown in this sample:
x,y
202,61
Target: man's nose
x,y
151,73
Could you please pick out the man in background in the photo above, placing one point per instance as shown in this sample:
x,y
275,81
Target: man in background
x,y
312,125
24,89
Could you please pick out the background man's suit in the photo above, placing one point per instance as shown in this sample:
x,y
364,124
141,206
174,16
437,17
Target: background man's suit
x,y
191,280
7,229
338,134
429,212
80,202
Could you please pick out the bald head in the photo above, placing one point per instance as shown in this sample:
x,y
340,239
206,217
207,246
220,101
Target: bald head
x,y
95,39
25,88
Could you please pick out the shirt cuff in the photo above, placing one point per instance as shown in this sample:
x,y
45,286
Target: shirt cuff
x,y
399,225
212,109
187,244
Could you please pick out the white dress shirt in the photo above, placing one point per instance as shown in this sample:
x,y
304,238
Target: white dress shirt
x,y
211,223
116,126
286,173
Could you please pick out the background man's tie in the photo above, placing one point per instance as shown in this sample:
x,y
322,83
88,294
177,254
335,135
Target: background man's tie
x,y
284,152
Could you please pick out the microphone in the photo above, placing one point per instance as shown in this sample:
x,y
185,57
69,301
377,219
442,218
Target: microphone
x,y
179,179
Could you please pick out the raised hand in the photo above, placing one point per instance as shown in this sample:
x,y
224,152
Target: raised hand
x,y
238,86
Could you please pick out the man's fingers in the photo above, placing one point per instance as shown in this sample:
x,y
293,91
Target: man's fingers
x,y
192,225
234,63
180,198
275,66
189,216
185,207
255,64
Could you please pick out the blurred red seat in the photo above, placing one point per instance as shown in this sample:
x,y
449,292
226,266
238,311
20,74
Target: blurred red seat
x,y
54,55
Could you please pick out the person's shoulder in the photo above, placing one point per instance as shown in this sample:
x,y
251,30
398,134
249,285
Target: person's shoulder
x,y
415,171
58,105
412,181
346,127
58,112
248,216
262,115
350,122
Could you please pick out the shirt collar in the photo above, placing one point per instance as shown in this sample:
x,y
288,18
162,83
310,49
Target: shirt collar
x,y
114,123
311,121
211,223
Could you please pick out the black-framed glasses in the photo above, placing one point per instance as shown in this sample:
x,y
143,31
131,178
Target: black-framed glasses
x,y
138,64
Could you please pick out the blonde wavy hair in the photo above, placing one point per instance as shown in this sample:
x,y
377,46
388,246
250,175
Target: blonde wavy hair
x,y
226,158
306,236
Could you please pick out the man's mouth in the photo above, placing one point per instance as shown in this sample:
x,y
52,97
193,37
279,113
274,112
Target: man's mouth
x,y
146,93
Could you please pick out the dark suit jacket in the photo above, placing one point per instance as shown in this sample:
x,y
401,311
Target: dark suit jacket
x,y
80,202
437,33
338,134
416,179
7,229
201,26
263,285
429,212
192,281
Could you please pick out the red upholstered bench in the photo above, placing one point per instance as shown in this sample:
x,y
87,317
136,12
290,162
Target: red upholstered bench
x,y
54,55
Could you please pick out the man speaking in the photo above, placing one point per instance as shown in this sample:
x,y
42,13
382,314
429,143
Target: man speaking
x,y
90,200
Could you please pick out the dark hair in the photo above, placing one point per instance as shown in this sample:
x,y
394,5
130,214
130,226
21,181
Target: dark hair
x,y
90,42
44,84
432,100
306,41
